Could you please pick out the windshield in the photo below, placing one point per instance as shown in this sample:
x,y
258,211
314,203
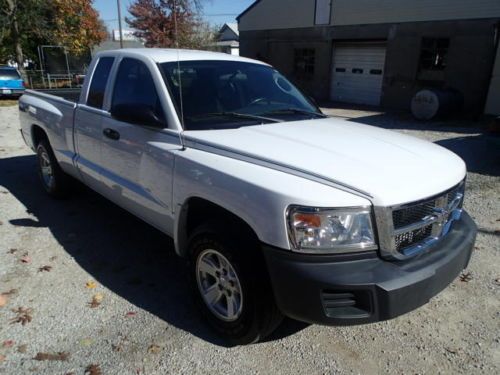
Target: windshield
x,y
231,94
9,74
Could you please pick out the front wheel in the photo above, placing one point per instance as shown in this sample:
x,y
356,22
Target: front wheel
x,y
231,285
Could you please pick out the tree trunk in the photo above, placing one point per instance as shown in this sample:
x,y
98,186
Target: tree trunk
x,y
16,38
19,50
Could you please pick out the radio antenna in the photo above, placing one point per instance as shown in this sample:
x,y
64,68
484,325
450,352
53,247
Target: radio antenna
x,y
179,80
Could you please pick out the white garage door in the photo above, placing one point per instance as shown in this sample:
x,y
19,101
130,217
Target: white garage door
x,y
358,71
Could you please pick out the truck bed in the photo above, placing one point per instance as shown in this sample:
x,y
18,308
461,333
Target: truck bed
x,y
53,111
71,95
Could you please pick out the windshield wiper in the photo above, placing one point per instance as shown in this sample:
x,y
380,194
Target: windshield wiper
x,y
242,116
297,110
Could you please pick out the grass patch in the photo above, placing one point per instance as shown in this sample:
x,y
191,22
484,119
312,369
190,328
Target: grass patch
x,y
8,102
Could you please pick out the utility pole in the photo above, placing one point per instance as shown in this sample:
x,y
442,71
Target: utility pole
x,y
120,22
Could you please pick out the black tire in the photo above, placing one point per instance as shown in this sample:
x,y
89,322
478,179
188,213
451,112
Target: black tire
x,y
259,315
57,184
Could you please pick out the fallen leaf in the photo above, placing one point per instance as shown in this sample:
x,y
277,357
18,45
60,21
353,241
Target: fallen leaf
x,y
53,258
3,300
25,258
450,350
116,348
93,370
7,344
60,356
45,268
2,358
22,348
90,285
23,316
154,349
86,342
12,251
466,277
10,292
131,313
96,300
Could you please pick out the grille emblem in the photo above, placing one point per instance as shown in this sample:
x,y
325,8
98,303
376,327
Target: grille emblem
x,y
441,214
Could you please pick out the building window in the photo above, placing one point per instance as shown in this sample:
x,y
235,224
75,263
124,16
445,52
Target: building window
x,y
322,12
304,63
433,54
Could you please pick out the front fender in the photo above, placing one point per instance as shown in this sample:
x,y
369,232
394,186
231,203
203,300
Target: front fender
x,y
256,194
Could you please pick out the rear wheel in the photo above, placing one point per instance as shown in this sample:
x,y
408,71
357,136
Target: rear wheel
x,y
231,285
53,179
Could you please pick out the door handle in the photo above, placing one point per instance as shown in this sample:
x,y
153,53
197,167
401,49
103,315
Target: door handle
x,y
111,134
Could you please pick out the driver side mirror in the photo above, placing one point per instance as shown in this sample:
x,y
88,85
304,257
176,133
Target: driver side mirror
x,y
138,114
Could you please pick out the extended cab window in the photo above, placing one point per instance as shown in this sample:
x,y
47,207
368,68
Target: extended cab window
x,y
99,80
135,86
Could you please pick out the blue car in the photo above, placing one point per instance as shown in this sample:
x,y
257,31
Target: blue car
x,y
11,83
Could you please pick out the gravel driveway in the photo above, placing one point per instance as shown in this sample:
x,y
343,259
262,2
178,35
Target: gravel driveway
x,y
85,286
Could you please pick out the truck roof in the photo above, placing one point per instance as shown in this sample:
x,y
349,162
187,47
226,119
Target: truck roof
x,y
161,55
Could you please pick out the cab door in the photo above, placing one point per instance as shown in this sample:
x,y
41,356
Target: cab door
x,y
137,155
88,125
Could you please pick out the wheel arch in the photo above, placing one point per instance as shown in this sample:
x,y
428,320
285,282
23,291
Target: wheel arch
x,y
196,211
37,134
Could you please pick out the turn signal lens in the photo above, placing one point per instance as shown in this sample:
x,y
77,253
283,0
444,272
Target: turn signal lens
x,y
322,230
311,220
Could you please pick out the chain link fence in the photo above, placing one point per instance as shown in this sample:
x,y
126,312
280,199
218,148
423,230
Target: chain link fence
x,y
39,79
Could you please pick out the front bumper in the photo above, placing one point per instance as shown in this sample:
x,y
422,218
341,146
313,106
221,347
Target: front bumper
x,y
358,289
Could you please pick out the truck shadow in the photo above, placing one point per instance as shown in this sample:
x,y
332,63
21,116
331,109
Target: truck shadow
x,y
121,252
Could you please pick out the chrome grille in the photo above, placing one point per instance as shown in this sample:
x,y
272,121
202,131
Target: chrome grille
x,y
459,189
411,214
412,237
407,229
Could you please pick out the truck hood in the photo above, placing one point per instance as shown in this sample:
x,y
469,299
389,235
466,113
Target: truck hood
x,y
391,167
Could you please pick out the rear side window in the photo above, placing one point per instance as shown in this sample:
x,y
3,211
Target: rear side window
x,y
135,85
9,74
99,81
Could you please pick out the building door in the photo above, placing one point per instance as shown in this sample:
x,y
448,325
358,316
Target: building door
x,y
357,73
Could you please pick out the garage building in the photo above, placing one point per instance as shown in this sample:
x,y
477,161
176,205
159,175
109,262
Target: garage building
x,y
381,52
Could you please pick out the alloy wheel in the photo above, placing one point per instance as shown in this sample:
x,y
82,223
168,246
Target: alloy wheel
x,y
219,285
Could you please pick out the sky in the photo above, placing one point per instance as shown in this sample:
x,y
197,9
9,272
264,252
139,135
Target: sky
x,y
216,12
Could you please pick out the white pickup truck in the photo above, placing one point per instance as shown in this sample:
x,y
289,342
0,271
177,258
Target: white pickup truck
x,y
278,209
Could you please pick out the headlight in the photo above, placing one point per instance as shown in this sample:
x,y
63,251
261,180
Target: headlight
x,y
322,230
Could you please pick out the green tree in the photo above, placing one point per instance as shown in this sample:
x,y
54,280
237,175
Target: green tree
x,y
24,23
76,25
